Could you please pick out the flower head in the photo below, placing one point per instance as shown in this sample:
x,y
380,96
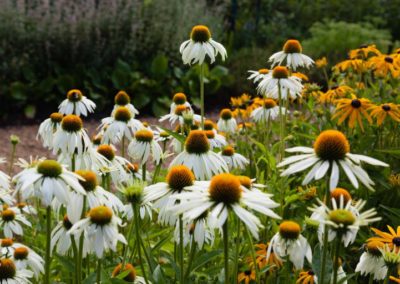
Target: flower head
x,y
292,52
76,103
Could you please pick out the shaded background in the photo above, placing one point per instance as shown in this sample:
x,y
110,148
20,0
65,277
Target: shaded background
x,y
101,46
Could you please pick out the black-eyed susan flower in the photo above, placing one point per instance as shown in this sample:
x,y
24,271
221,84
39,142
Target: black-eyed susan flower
x,y
247,277
371,261
293,53
233,160
46,180
394,180
11,275
26,258
343,219
100,227
321,62
364,51
289,243
307,277
71,137
303,77
76,103
143,146
384,65
120,125
224,194
380,112
242,106
262,260
95,196
268,111
331,150
199,45
199,158
257,75
280,85
48,127
354,109
122,99
11,221
336,92
357,65
227,123
391,238
131,277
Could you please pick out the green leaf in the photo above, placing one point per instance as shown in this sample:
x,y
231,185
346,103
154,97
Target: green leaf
x,y
18,91
30,111
205,258
159,66
177,136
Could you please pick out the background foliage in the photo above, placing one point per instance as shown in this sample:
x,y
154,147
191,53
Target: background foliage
x,y
50,46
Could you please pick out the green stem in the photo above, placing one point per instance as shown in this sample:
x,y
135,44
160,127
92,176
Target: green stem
x,y
226,253
73,162
99,271
136,213
235,266
14,147
371,279
156,172
181,249
336,258
202,95
75,250
191,256
325,240
81,240
253,255
48,240
127,246
144,172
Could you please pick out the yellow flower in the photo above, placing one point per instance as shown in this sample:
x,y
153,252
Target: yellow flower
x,y
261,259
350,64
394,180
321,63
394,279
300,75
384,65
364,51
243,106
306,277
354,109
391,239
335,93
307,193
311,90
247,277
382,111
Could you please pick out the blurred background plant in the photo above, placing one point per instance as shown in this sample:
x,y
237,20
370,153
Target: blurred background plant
x,y
50,46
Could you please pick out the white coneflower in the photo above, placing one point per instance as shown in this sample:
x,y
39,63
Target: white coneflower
x,y
232,159
131,276
331,149
134,193
89,159
10,223
216,140
133,171
48,179
227,123
117,165
224,194
195,232
9,274
372,262
288,242
122,99
48,127
60,240
8,247
198,157
345,220
95,196
6,197
279,85
178,100
4,178
143,146
178,178
24,208
76,103
292,52
26,258
257,75
199,45
121,124
101,229
71,138
267,112
178,115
